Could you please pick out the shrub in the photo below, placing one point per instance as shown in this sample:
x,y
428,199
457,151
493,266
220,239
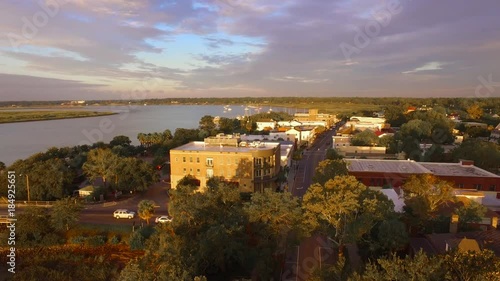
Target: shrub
x,y
136,241
77,240
51,239
95,241
114,240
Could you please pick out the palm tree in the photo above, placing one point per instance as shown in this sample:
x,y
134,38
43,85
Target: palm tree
x,y
146,209
141,138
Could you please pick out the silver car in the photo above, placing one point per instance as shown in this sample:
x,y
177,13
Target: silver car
x,y
123,214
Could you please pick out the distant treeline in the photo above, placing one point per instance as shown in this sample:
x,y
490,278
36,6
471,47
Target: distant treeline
x,y
340,106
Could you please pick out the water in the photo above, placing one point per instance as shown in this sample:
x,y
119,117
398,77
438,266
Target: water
x,y
20,140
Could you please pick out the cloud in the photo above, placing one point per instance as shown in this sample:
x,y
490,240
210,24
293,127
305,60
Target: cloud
x,y
434,65
288,47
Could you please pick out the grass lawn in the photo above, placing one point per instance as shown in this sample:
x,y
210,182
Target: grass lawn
x,y
25,116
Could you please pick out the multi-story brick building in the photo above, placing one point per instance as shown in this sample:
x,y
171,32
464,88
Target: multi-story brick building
x,y
393,173
252,166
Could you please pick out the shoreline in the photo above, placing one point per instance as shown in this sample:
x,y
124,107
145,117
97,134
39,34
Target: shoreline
x,y
23,119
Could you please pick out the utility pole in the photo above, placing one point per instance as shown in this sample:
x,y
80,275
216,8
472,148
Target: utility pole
x,y
28,187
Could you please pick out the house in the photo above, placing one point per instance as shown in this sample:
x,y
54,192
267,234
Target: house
x,y
303,133
314,116
289,124
266,125
495,134
86,191
251,166
362,123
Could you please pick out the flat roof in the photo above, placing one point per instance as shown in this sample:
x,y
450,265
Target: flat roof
x,y
201,146
456,170
412,167
386,166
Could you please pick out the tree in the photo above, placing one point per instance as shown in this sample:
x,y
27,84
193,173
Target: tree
x,y
65,213
434,154
472,266
395,115
329,169
227,125
32,225
472,212
134,174
486,155
475,111
423,194
276,213
2,166
100,163
332,154
207,123
146,209
120,140
49,180
417,129
365,138
420,267
345,208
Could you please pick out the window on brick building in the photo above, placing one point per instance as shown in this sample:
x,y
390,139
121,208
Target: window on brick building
x,y
460,185
493,187
478,186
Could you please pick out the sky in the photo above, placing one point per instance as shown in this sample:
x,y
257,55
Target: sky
x,y
124,49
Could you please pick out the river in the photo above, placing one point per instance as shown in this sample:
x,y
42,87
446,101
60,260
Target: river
x,y
20,140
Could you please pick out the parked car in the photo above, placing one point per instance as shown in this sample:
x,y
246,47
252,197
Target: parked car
x,y
163,219
123,214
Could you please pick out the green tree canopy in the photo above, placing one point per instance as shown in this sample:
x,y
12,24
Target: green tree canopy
x,y
65,213
423,194
365,138
345,208
486,155
101,163
146,210
329,169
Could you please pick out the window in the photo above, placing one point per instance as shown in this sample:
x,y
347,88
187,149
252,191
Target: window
x,y
184,159
210,162
184,170
258,161
191,159
258,173
197,159
197,172
460,185
493,187
210,173
176,159
190,170
478,186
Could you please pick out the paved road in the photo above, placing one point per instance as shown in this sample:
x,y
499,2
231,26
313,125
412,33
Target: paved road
x,y
103,213
316,251
310,159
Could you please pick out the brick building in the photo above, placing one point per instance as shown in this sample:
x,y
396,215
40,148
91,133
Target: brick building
x,y
393,173
252,166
